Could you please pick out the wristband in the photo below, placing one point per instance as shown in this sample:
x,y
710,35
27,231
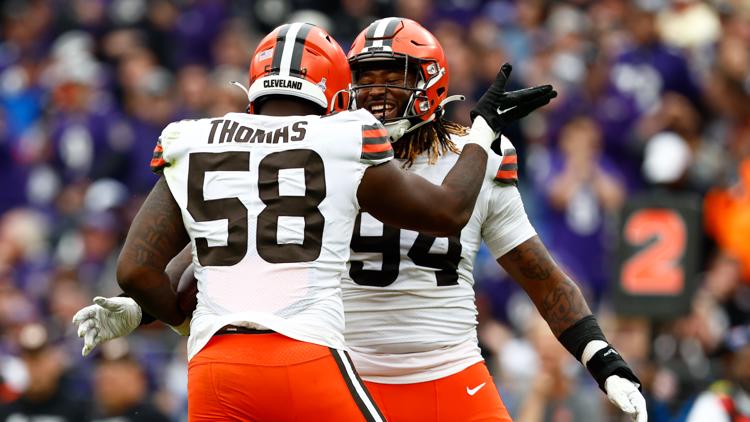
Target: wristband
x,y
585,340
482,134
146,318
577,336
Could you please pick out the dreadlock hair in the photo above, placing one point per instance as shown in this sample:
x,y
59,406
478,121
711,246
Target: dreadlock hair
x,y
433,137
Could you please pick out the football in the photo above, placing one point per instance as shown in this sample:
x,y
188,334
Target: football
x,y
187,291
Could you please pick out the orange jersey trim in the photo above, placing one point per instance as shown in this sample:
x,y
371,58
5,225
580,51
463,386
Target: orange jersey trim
x,y
158,162
376,147
507,174
510,159
374,133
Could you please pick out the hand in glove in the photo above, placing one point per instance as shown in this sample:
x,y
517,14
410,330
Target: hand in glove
x,y
624,394
106,319
500,108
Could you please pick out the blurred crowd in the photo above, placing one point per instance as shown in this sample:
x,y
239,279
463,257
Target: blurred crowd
x,y
654,97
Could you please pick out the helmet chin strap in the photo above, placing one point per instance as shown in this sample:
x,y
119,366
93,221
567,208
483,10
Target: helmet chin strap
x,y
335,97
240,86
399,128
449,99
244,89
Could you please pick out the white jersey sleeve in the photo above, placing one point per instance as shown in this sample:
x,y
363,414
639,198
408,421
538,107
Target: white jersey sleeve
x,y
269,204
506,224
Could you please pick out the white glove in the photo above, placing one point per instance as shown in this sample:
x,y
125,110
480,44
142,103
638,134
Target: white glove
x,y
108,318
625,395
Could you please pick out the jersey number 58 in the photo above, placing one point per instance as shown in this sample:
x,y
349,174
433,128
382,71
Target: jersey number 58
x,y
235,212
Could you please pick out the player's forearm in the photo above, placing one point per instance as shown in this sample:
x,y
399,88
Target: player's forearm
x,y
174,271
155,237
555,295
562,305
414,203
462,184
152,292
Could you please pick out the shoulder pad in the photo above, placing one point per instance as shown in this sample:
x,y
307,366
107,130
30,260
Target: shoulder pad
x,y
169,134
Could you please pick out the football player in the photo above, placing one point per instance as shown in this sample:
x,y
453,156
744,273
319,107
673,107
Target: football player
x,y
408,296
268,202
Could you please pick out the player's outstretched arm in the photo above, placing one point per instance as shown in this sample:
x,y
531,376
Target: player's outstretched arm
x,y
155,236
562,305
401,199
407,200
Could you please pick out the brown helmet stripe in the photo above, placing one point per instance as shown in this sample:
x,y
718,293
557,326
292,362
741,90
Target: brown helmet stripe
x,y
299,48
278,49
289,48
390,30
380,33
370,33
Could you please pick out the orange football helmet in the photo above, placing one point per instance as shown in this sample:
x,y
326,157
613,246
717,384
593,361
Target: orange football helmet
x,y
405,40
301,60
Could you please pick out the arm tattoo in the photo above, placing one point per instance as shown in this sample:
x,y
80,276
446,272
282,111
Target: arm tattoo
x,y
556,296
563,305
155,236
464,178
159,225
532,260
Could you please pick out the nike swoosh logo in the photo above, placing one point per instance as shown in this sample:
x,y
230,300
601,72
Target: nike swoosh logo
x,y
472,391
506,110
609,352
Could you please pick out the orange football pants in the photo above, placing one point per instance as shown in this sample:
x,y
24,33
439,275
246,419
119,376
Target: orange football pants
x,y
467,396
273,378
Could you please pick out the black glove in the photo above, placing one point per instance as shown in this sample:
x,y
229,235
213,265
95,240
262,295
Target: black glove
x,y
608,362
500,108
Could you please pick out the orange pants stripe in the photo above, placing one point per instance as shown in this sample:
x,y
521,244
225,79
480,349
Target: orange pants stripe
x,y
467,396
271,377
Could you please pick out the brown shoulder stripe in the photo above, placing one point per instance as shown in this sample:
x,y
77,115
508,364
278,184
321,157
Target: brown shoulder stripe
x,y
507,173
375,143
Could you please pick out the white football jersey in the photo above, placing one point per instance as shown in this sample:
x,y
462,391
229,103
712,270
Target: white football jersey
x,y
409,297
269,204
